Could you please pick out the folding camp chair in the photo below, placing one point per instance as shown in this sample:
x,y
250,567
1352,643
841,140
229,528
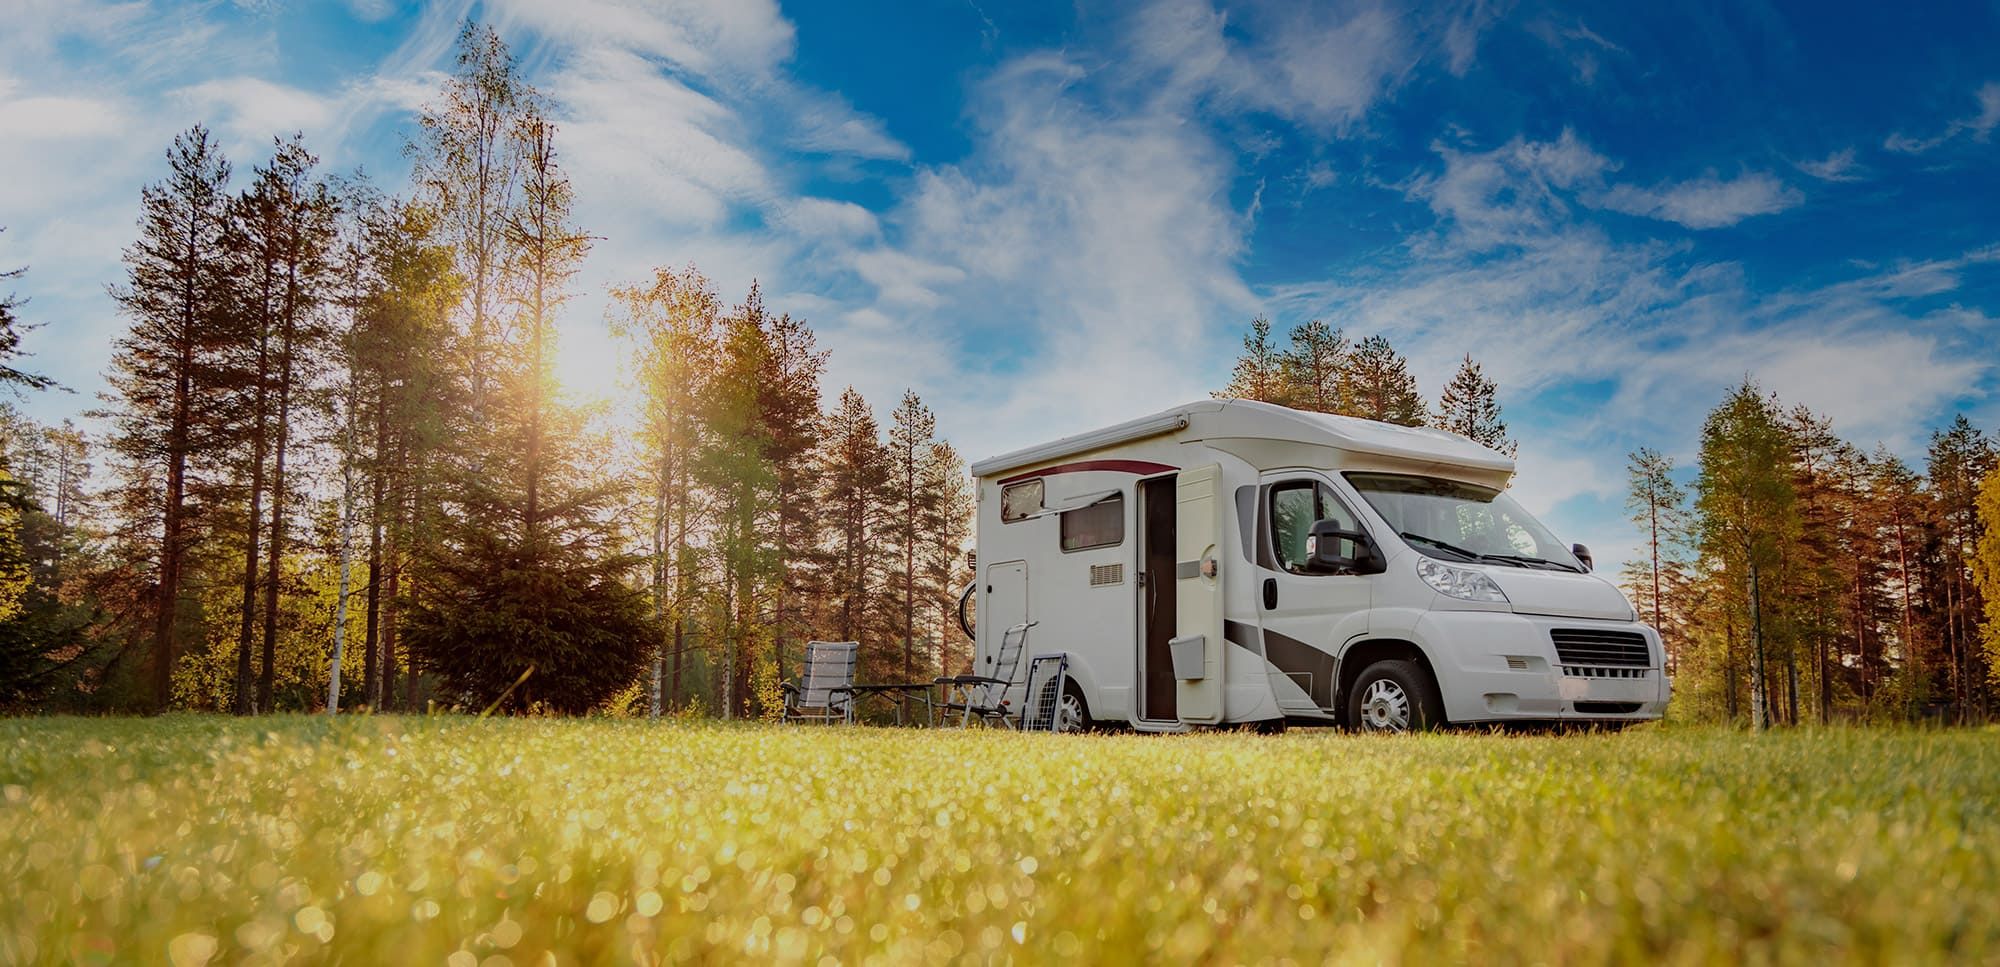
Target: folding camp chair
x,y
985,696
825,691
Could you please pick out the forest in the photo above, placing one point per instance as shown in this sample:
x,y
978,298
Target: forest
x,y
336,470
1797,577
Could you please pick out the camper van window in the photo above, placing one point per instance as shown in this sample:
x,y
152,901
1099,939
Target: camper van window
x,y
1101,524
1020,500
1295,507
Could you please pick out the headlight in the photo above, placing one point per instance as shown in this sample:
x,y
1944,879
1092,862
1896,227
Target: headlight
x,y
1458,582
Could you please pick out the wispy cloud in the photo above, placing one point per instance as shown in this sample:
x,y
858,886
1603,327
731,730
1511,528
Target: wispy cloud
x,y
1322,65
1838,166
1978,125
1706,202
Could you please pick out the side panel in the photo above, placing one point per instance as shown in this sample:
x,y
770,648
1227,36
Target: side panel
x,y
1198,539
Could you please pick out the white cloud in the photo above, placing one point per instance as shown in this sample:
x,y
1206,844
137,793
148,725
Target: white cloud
x,y
1979,125
1502,196
371,11
60,117
1321,65
1838,166
1707,202
253,109
709,37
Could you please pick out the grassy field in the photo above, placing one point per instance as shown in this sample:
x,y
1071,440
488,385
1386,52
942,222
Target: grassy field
x,y
461,841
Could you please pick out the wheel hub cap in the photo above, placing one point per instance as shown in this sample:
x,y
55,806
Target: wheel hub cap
x,y
1069,714
1385,708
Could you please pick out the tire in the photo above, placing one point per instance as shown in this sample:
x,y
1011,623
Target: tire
x,y
1394,696
1072,712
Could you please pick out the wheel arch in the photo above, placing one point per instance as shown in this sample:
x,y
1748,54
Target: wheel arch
x,y
1358,656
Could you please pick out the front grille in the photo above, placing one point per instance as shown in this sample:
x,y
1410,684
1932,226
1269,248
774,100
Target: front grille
x,y
1584,646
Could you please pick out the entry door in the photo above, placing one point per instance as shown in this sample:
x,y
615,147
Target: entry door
x,y
1306,615
1198,588
1005,606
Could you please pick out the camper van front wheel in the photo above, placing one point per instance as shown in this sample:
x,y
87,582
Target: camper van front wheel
x,y
1394,696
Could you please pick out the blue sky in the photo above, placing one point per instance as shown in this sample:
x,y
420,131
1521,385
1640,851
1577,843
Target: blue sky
x,y
1047,217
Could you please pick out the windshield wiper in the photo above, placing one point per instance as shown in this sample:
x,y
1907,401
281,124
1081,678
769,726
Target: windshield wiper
x,y
1455,549
1526,559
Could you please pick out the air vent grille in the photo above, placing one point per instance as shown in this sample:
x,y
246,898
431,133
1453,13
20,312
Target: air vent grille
x,y
1590,646
1589,671
1517,663
1102,575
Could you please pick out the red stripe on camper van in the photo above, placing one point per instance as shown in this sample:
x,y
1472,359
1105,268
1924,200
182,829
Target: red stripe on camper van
x,y
1140,467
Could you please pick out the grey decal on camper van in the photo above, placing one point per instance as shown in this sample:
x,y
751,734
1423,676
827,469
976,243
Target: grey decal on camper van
x,y
1295,657
1236,632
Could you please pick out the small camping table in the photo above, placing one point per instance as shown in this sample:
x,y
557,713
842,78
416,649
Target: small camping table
x,y
905,689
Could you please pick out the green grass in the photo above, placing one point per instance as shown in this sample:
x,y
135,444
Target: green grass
x,y
453,840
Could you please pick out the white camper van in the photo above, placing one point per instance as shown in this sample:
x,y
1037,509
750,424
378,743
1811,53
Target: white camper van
x,y
1237,562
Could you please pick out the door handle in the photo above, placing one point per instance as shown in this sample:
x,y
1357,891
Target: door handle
x,y
1270,594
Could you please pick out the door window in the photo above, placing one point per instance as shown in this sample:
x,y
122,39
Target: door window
x,y
1295,506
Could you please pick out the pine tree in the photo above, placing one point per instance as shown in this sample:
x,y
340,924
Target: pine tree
x,y
1311,369
789,409
672,324
402,304
1893,519
735,468
946,527
1814,560
282,233
1258,374
164,381
910,501
1378,385
1658,505
1470,407
1960,457
1747,512
854,471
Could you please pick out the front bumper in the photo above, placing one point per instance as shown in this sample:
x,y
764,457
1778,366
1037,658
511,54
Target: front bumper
x,y
1497,666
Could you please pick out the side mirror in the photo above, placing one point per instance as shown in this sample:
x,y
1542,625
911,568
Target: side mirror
x,y
1333,549
1583,554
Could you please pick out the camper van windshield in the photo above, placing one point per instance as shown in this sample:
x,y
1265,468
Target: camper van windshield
x,y
1457,521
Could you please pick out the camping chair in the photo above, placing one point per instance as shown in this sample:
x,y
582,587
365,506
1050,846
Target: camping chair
x,y
985,696
825,691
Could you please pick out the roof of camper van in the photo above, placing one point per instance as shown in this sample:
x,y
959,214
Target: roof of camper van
x,y
1226,418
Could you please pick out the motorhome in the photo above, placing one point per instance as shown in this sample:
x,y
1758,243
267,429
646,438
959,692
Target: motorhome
x,y
1231,562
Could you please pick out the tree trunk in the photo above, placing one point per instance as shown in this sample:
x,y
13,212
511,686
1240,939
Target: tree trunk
x,y
248,609
268,674
346,556
371,672
411,675
1760,715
